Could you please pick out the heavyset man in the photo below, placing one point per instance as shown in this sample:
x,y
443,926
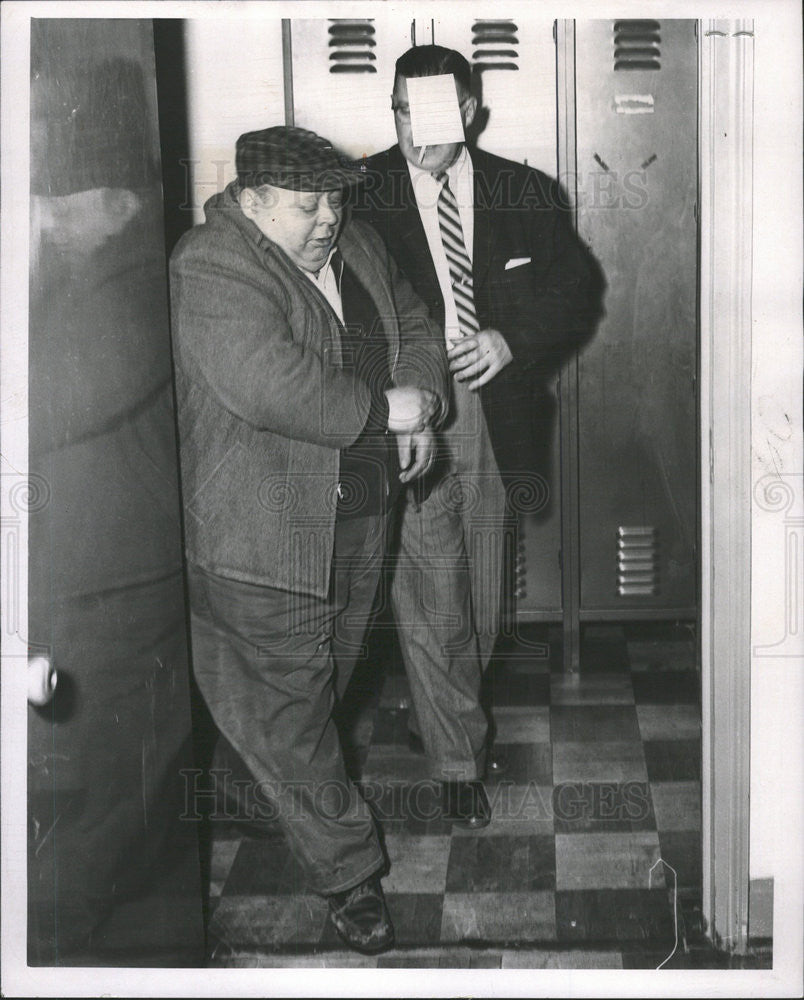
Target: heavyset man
x,y
308,377
488,247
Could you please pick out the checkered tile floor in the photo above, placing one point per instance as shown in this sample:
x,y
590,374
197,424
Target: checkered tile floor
x,y
602,780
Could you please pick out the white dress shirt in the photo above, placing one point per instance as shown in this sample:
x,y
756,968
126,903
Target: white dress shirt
x,y
426,189
327,282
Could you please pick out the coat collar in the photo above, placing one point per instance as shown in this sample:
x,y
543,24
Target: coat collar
x,y
363,263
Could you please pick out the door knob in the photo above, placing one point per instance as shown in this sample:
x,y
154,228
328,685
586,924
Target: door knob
x,y
42,680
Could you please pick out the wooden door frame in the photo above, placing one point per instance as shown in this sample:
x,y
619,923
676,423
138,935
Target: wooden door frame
x,y
726,195
725,220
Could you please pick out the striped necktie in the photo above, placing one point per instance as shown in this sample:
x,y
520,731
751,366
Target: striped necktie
x,y
460,267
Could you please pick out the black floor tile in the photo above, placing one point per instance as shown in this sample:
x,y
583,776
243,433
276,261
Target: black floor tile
x,y
512,687
525,636
416,917
673,760
643,959
499,864
667,687
265,868
659,632
526,641
683,851
268,923
691,899
603,654
604,651
593,723
602,807
523,763
652,958
487,873
692,958
500,917
691,919
401,807
606,915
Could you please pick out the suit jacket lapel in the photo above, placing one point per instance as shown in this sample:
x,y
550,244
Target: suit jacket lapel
x,y
410,233
485,232
418,263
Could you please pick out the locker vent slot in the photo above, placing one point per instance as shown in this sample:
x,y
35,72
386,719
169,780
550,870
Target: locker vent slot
x,y
350,45
636,45
495,45
637,561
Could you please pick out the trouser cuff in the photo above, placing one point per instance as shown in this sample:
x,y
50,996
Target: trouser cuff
x,y
350,882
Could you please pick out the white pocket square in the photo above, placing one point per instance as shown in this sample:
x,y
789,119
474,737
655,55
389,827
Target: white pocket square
x,y
517,262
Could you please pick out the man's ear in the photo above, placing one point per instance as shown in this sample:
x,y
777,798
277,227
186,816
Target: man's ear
x,y
468,111
247,199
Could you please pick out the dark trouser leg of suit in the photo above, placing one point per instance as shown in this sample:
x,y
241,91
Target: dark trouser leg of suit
x,y
431,597
263,661
446,593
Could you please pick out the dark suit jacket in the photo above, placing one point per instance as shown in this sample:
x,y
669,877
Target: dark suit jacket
x,y
542,308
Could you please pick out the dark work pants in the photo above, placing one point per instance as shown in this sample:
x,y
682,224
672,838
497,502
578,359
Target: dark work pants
x,y
265,661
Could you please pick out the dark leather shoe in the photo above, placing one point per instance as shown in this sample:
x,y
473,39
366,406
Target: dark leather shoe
x,y
361,917
465,803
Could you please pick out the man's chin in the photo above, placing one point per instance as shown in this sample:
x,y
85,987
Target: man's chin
x,y
435,157
314,261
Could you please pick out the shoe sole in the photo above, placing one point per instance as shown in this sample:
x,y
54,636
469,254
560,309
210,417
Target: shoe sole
x,y
363,949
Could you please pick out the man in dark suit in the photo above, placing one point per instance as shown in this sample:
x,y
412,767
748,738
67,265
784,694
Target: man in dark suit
x,y
489,248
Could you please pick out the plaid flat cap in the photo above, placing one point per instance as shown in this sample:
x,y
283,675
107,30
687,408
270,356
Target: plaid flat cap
x,y
295,158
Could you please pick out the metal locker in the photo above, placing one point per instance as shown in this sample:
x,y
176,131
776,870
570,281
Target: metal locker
x,y
635,397
235,83
515,59
636,120
351,60
343,74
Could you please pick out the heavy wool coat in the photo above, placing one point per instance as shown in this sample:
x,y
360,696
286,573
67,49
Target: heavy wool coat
x,y
264,404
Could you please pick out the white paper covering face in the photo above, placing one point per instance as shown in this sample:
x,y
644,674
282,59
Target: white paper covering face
x,y
435,116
